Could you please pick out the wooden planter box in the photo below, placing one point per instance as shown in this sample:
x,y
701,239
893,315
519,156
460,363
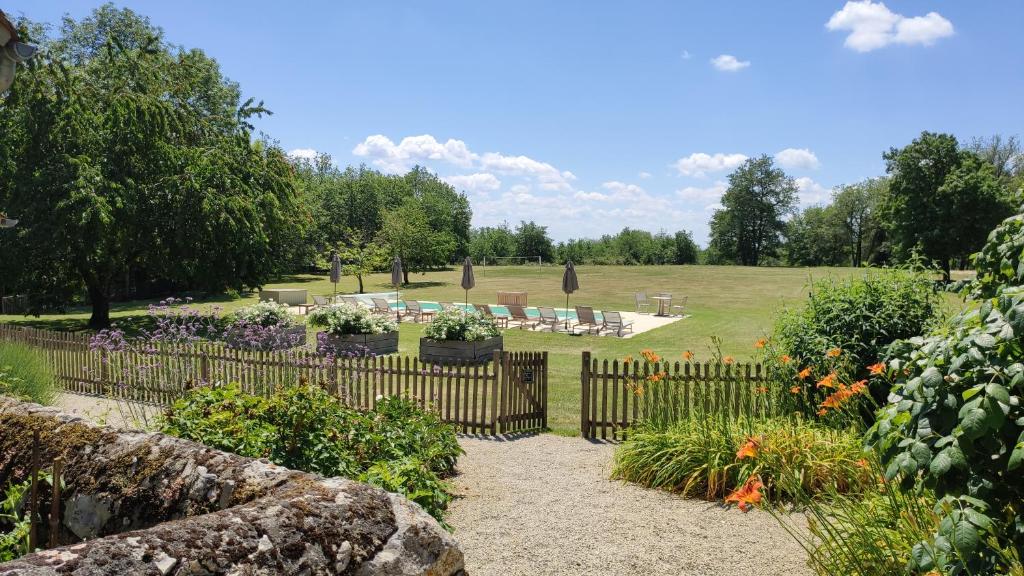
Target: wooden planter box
x,y
376,344
452,352
296,334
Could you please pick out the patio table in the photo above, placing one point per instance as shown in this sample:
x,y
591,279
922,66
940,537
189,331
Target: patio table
x,y
663,302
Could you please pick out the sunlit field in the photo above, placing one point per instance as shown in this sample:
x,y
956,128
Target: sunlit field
x,y
736,304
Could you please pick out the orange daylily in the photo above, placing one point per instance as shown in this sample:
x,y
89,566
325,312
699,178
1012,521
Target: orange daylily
x,y
628,359
862,463
761,390
728,360
748,494
794,390
748,450
834,353
760,343
650,356
877,369
828,381
858,386
803,374
822,412
785,358
687,355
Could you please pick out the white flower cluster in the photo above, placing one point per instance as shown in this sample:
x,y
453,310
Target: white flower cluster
x,y
454,324
343,319
265,314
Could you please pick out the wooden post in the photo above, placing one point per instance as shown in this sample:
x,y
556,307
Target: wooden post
x,y
503,417
544,389
58,469
33,500
585,395
494,391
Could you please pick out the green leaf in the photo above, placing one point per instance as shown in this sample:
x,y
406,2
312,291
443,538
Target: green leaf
x,y
964,536
973,423
932,377
1017,456
998,392
940,464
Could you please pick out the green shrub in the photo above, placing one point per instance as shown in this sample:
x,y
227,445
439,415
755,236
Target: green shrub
x,y
396,446
712,458
455,324
956,422
859,317
26,374
1001,261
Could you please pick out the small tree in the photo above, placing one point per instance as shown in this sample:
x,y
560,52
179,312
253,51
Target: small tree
x,y
360,257
857,207
687,250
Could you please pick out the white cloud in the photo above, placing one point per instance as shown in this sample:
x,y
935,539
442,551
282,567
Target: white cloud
x,y
797,158
303,153
871,25
699,163
699,195
729,63
479,182
811,192
644,175
412,149
686,55
549,177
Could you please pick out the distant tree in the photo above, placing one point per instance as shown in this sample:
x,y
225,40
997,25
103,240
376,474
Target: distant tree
x,y
942,200
532,240
406,233
128,156
1005,155
686,250
815,237
857,209
488,243
751,223
360,256
578,250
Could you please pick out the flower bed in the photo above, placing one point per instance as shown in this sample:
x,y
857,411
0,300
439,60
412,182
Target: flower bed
x,y
455,336
354,330
264,326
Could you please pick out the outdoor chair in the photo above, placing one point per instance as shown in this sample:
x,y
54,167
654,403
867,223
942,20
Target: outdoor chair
x,y
585,317
320,301
380,306
613,321
519,315
642,303
548,317
680,307
499,319
418,314
351,300
448,306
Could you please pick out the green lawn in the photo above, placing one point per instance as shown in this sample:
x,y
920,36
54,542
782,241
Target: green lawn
x,y
734,303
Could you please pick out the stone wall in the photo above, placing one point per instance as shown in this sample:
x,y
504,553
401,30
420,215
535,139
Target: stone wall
x,y
138,503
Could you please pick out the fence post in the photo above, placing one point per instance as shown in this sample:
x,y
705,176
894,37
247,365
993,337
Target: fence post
x,y
505,369
494,391
544,390
585,395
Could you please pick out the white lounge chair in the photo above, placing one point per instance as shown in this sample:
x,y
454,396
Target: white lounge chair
x,y
519,315
381,306
499,319
548,317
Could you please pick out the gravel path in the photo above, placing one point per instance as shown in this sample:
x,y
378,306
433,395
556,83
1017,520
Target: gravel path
x,y
543,505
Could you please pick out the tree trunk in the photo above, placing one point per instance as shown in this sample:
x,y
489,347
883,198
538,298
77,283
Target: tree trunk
x,y
100,301
405,276
857,254
359,277
945,270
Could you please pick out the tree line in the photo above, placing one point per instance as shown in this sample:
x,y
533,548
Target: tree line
x,y
938,200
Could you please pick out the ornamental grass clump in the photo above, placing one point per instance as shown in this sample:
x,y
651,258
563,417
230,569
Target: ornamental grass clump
x,y
349,319
457,325
715,458
25,374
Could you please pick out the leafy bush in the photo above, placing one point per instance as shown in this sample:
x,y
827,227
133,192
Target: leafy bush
x,y
713,458
265,314
461,326
955,421
860,317
25,374
345,319
1001,261
396,446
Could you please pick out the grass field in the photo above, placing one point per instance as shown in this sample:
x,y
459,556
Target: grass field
x,y
736,304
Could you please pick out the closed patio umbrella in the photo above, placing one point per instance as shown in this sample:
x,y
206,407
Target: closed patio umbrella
x,y
468,280
335,271
396,281
570,284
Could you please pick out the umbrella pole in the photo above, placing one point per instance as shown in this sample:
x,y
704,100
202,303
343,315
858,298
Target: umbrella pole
x,y
566,312
467,298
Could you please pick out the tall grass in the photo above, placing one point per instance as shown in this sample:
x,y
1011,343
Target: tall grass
x,y
711,457
26,374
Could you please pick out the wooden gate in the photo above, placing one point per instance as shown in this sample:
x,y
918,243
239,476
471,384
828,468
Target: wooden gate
x,y
524,391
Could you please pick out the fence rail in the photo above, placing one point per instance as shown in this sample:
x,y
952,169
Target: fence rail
x,y
506,394
615,395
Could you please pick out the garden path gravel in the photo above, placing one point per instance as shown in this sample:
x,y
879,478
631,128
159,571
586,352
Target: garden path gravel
x,y
544,505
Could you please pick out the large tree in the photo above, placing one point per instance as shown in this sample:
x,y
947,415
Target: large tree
x,y
857,208
129,157
532,240
407,233
750,225
942,200
815,238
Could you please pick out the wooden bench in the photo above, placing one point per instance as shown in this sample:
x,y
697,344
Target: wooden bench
x,y
514,298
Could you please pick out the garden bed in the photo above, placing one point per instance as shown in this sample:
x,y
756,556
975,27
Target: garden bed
x,y
359,344
455,351
294,336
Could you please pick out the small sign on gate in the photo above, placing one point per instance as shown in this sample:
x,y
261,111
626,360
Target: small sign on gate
x,y
527,376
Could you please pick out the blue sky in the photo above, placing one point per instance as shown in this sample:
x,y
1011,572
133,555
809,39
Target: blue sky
x,y
589,116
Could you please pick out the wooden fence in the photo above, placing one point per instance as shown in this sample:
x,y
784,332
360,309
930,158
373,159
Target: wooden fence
x,y
615,395
507,394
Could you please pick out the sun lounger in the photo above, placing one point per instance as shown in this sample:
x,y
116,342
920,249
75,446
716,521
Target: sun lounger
x,y
613,321
499,319
585,317
380,306
413,308
350,300
548,317
319,301
519,315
